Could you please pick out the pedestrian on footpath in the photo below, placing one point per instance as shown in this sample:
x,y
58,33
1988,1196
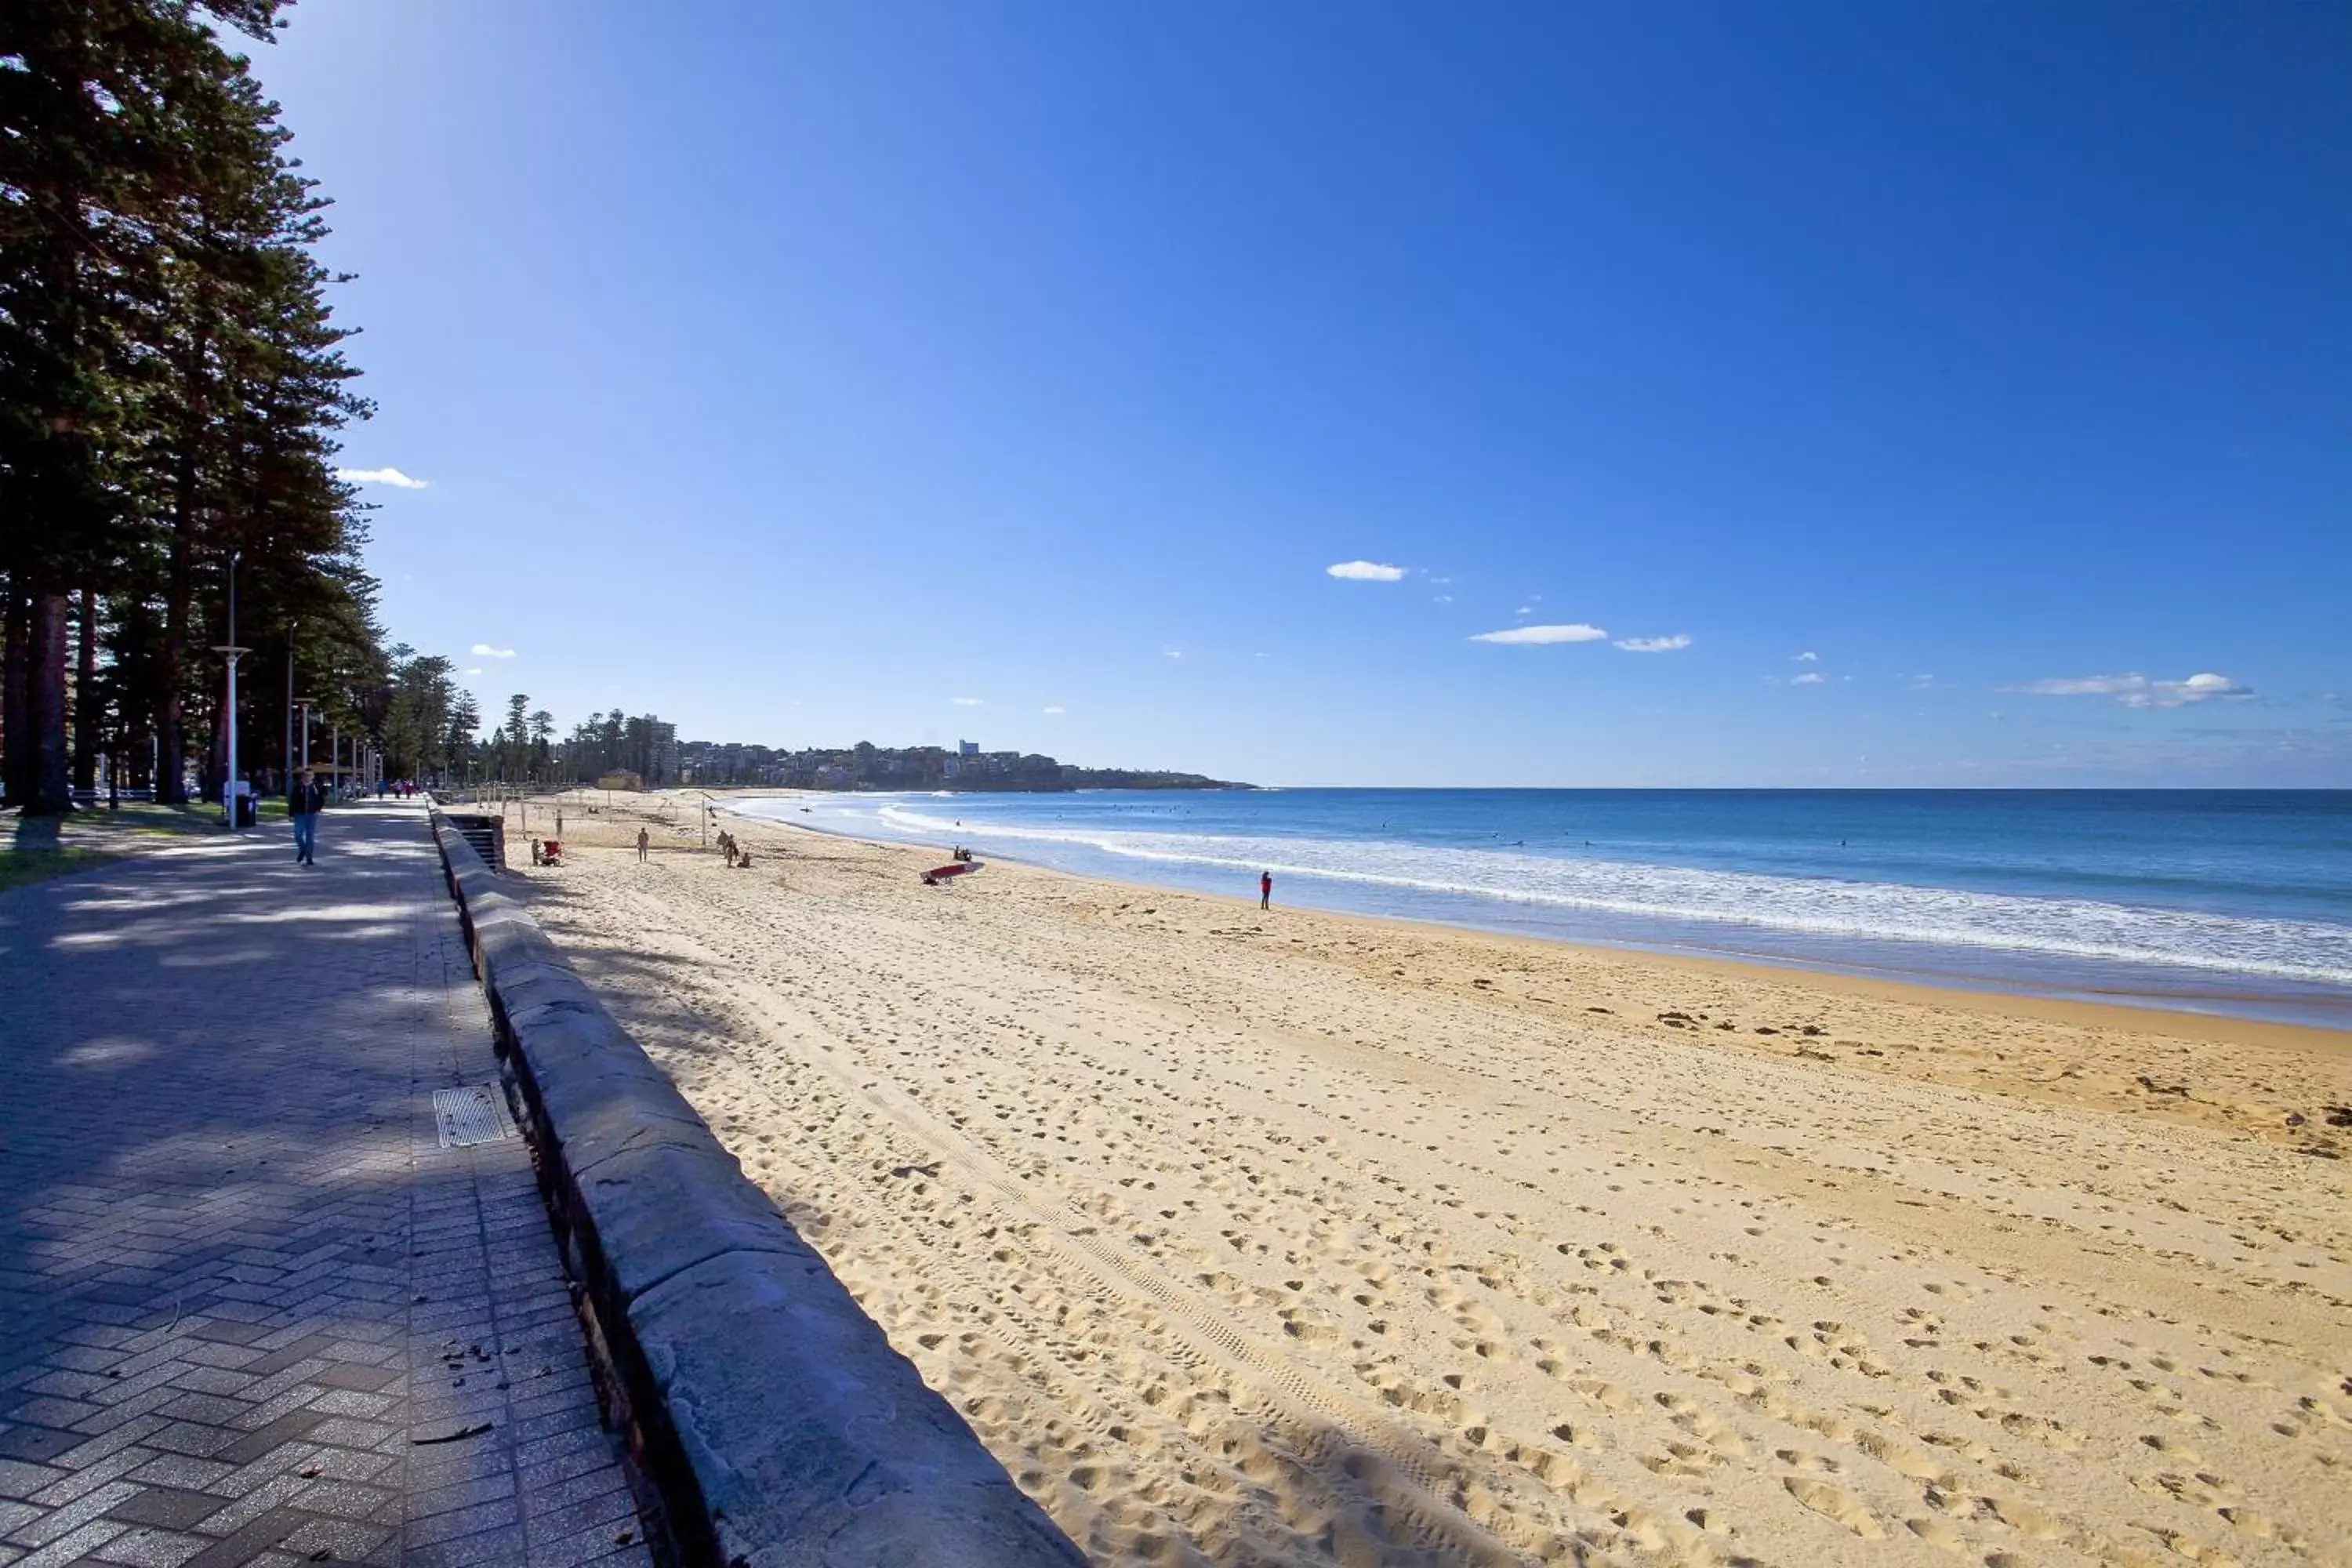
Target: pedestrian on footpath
x,y
644,839
304,802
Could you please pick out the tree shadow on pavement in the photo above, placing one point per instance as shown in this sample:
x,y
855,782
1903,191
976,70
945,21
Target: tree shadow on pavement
x,y
210,1057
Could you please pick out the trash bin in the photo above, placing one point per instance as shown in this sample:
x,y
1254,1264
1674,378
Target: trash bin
x,y
248,810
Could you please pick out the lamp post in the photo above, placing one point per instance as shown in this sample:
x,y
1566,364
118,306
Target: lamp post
x,y
232,653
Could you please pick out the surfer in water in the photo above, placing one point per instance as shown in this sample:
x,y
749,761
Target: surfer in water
x,y
1265,889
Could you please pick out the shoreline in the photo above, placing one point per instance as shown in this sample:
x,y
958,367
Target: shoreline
x,y
1992,996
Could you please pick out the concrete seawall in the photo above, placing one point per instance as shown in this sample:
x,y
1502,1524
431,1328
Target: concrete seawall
x,y
768,1411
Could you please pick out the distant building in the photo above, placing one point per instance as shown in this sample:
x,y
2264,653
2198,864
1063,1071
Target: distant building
x,y
966,747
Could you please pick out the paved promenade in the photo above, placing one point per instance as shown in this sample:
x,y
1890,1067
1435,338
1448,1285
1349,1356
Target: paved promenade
x,y
251,1312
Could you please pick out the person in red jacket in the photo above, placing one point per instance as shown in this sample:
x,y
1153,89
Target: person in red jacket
x,y
1265,889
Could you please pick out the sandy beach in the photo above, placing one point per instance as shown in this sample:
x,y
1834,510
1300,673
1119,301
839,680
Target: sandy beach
x,y
1290,1237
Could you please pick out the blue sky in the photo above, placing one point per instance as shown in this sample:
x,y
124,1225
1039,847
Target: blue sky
x,y
1970,385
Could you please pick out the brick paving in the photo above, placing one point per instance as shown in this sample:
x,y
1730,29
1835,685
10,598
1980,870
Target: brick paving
x,y
250,1312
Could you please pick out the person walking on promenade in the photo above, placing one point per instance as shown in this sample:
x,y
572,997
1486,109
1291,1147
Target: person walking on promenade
x,y
1265,889
304,802
644,839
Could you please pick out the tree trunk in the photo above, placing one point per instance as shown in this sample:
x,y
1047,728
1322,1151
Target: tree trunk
x,y
15,704
170,673
171,660
85,700
49,794
134,683
170,739
213,777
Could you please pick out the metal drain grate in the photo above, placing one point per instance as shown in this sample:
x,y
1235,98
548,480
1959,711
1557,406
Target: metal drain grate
x,y
471,1116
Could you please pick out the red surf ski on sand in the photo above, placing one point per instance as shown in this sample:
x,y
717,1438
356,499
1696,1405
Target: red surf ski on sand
x,y
939,874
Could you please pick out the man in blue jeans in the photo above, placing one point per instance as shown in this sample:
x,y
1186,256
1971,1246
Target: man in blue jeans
x,y
304,802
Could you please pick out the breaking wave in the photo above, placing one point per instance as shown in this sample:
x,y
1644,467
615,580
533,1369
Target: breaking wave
x,y
2305,951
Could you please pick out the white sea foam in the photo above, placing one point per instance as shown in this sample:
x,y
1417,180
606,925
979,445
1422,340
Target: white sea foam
x,y
2313,952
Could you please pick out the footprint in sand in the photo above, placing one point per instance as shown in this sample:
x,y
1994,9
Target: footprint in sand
x,y
1606,1394
1936,1533
2027,1519
2173,1447
1832,1502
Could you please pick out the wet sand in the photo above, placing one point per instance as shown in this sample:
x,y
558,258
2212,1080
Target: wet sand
x,y
1296,1237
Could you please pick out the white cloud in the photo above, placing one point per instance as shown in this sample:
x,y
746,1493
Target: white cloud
x,y
2137,690
1050,710
1811,678
2085,686
1442,599
965,701
391,477
1574,632
461,673
1808,656
1524,610
1172,652
484,650
1366,572
1653,644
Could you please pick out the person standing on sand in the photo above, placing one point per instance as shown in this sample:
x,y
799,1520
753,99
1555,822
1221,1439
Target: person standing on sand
x,y
1265,889
644,839
304,802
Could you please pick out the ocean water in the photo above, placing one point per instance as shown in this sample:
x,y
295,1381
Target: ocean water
x,y
2225,901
